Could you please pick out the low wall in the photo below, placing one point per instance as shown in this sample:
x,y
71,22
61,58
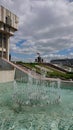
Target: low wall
x,y
4,65
10,72
6,75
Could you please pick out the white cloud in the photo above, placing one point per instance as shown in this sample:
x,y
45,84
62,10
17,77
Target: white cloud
x,y
46,25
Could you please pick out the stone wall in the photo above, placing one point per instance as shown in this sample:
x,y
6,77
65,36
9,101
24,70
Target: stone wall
x,y
7,76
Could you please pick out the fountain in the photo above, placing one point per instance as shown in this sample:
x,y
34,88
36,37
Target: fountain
x,y
36,105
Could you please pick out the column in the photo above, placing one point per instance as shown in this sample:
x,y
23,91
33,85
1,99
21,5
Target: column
x,y
7,48
2,46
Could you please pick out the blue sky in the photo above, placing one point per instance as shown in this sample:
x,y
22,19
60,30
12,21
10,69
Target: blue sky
x,y
45,26
19,44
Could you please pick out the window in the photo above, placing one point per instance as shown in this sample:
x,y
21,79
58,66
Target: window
x,y
8,20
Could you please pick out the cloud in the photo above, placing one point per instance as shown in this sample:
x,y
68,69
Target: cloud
x,y
46,26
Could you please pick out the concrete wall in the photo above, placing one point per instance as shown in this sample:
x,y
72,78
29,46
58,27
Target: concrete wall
x,y
10,71
5,66
7,76
7,72
7,13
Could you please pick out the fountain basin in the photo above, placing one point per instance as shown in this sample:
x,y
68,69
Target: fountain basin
x,y
36,106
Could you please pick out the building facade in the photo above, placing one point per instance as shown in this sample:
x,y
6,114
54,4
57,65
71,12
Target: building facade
x,y
8,25
62,61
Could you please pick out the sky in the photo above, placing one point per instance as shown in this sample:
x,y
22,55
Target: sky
x,y
45,27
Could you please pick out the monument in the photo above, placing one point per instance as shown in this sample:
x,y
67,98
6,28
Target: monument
x,y
8,25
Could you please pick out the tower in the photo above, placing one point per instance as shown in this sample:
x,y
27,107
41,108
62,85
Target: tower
x,y
8,25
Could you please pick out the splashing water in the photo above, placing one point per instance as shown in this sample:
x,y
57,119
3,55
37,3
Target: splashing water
x,y
36,106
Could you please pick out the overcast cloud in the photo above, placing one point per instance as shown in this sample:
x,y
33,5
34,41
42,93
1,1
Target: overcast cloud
x,y
45,26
